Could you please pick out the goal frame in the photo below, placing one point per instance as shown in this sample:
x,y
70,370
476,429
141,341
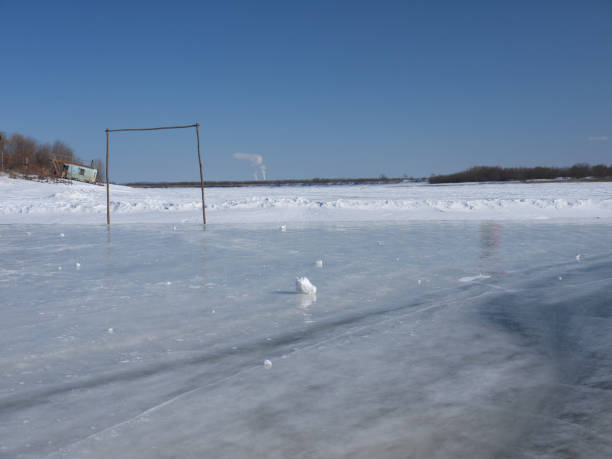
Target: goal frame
x,y
108,131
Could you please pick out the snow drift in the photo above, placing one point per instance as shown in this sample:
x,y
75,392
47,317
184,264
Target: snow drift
x,y
23,201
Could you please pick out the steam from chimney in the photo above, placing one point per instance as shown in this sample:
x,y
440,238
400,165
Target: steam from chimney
x,y
257,163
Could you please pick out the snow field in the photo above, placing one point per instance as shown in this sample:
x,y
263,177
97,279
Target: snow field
x,y
24,201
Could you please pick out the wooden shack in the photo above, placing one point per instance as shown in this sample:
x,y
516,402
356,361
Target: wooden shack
x,y
74,171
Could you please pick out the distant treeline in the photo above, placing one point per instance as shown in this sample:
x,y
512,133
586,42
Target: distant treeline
x,y
24,155
315,181
502,174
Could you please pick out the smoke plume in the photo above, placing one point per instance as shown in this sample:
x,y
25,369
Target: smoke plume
x,y
256,161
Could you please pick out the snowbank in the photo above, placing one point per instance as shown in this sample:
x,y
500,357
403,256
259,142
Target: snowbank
x,y
23,201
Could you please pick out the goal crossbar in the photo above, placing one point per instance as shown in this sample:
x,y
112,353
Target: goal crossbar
x,y
154,129
108,131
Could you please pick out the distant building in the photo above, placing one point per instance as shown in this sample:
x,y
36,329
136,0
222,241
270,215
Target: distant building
x,y
74,171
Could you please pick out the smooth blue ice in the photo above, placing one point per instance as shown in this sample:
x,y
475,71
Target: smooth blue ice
x,y
425,340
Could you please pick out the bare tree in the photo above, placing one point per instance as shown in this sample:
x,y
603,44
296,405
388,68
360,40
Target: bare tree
x,y
41,160
62,151
22,150
2,144
24,154
98,164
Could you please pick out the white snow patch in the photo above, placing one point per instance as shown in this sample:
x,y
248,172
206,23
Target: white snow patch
x,y
267,364
473,278
303,285
319,263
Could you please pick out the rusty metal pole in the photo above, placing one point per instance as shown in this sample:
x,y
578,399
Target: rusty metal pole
x,y
107,185
197,126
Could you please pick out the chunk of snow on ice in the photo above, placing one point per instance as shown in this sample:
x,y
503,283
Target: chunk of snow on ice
x,y
283,228
78,265
578,257
319,263
473,278
61,235
419,282
111,331
303,285
267,364
560,278
59,268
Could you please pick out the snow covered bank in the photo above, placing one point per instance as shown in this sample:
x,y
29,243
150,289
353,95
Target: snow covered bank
x,y
23,201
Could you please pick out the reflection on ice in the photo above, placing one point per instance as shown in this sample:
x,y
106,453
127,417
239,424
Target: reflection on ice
x,y
304,301
154,348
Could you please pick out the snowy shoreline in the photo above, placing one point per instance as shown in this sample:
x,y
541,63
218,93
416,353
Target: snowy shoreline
x,y
30,202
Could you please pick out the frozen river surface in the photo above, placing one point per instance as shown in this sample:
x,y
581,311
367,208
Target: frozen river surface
x,y
425,340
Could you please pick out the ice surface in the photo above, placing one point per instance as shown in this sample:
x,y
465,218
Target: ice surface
x,y
154,348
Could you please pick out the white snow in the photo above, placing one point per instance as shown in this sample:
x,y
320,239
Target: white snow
x,y
473,278
303,285
23,201
267,364
319,263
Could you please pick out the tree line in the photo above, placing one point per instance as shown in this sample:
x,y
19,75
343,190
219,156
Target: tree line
x,y
24,155
305,182
502,174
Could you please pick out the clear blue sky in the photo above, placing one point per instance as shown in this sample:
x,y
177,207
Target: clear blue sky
x,y
318,88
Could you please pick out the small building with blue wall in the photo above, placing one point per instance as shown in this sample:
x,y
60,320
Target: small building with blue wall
x,y
74,171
